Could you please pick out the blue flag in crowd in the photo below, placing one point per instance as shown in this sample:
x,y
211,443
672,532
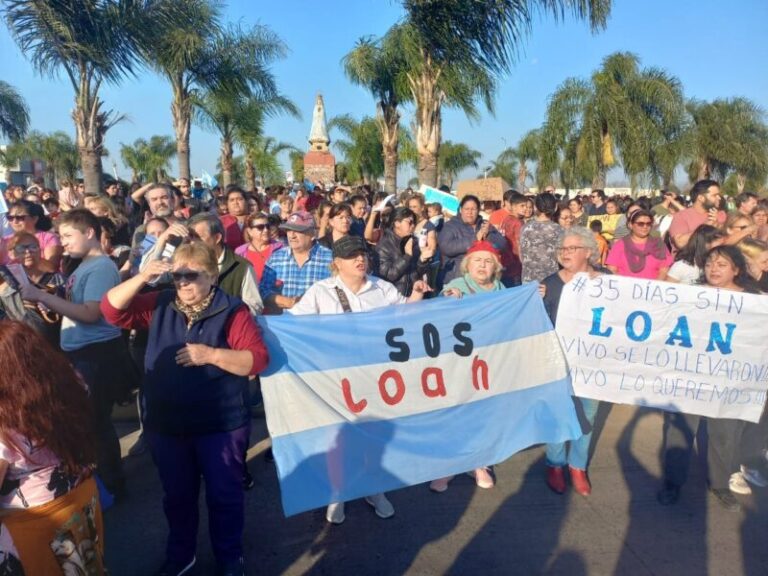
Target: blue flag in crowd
x,y
364,403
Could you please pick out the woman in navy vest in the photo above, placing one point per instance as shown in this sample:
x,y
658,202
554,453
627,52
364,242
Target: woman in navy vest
x,y
203,345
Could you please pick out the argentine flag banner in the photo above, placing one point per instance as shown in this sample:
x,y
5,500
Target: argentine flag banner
x,y
363,403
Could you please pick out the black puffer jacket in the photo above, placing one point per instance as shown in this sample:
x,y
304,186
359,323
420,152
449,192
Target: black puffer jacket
x,y
395,266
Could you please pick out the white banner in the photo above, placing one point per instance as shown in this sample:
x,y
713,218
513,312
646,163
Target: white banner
x,y
680,348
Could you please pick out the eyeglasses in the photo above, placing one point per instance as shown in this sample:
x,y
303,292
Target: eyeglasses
x,y
644,224
22,248
187,276
259,227
18,217
570,249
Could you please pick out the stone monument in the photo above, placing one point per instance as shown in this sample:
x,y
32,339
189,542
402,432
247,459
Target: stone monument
x,y
319,163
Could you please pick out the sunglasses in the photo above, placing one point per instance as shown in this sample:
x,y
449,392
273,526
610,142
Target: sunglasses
x,y
188,276
259,227
22,248
18,217
644,224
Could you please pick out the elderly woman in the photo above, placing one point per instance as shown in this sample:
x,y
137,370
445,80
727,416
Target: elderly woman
x,y
49,500
639,254
577,252
24,249
24,216
352,289
401,260
260,244
480,272
459,233
203,345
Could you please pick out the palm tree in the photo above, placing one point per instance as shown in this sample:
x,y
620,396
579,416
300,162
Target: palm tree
x,y
505,166
93,42
14,114
237,119
728,135
455,50
527,151
134,156
296,158
56,150
621,114
455,157
379,66
160,151
221,58
361,147
261,161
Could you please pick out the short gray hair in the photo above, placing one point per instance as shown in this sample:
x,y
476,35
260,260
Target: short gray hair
x,y
587,238
211,220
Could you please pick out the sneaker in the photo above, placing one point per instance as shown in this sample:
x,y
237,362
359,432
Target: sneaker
x,y
482,477
335,513
383,507
440,485
738,484
668,495
727,499
175,568
754,477
235,568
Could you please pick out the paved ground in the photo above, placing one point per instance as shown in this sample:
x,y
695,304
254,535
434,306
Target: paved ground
x,y
517,528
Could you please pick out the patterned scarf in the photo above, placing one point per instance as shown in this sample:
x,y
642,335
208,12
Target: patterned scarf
x,y
194,311
636,255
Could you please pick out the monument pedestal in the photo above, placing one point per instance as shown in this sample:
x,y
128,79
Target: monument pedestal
x,y
320,167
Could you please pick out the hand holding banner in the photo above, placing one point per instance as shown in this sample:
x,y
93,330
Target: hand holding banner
x,y
681,348
363,403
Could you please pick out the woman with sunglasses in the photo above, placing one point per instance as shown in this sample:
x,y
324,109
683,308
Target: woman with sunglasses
x,y
24,249
639,254
261,244
203,345
25,216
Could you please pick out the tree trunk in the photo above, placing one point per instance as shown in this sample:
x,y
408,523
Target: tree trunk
x,y
134,176
741,182
389,124
522,176
598,182
704,172
250,173
181,110
226,162
429,102
90,130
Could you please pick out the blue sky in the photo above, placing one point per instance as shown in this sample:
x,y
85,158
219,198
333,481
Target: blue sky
x,y
717,49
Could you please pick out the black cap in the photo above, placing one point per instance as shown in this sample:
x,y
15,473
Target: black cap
x,y
348,246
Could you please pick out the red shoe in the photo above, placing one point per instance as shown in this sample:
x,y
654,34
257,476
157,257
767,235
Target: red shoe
x,y
580,481
556,479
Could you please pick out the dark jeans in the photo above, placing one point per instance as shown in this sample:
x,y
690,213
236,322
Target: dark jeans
x,y
180,461
99,365
724,437
754,441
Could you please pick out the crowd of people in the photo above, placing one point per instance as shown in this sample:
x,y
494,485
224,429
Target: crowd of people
x,y
157,290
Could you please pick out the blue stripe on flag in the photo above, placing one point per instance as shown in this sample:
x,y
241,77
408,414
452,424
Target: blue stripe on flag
x,y
364,455
323,342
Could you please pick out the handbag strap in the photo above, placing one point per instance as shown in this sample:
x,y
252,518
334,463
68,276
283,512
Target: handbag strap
x,y
343,300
